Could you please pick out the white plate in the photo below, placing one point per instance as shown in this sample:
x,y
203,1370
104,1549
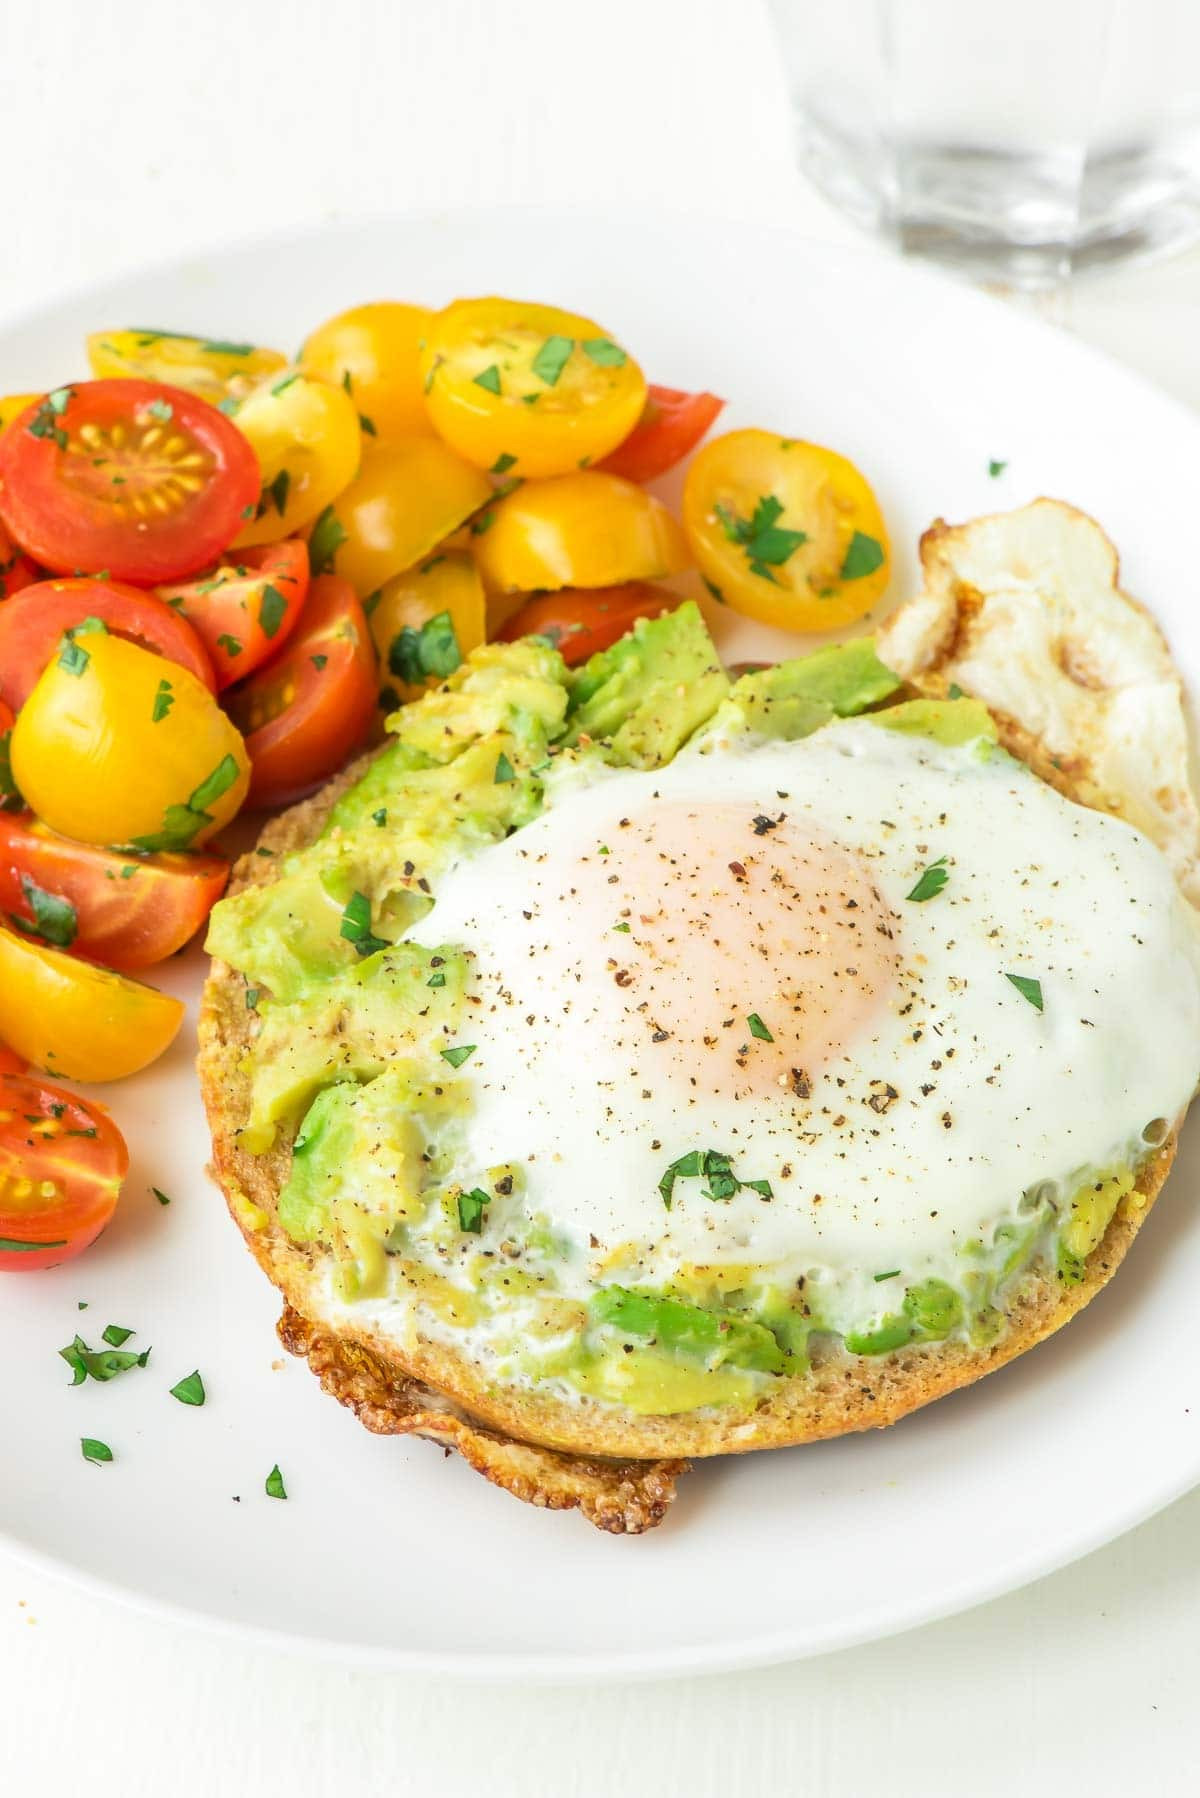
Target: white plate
x,y
386,1551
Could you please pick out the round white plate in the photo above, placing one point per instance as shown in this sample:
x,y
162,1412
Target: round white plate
x,y
385,1550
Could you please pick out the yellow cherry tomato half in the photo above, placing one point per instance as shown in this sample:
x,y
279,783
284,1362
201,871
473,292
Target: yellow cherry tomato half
x,y
578,530
425,622
786,532
528,389
210,366
409,495
306,436
374,353
76,1020
117,745
12,406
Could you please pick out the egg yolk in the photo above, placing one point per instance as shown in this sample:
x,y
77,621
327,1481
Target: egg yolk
x,y
757,948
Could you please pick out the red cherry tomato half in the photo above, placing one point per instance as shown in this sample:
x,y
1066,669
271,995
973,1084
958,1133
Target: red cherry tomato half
x,y
16,570
32,624
581,620
311,707
672,423
246,607
126,911
142,481
62,1161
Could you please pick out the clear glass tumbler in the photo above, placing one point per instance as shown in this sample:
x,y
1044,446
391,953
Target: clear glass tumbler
x,y
1019,141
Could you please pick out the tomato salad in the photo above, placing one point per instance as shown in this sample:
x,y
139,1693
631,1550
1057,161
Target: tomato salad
x,y
221,568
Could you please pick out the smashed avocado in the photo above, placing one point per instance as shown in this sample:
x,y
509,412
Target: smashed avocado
x,y
359,1041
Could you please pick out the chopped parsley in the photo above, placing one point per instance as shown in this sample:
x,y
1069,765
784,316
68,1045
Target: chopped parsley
x,y
713,1166
219,346
71,654
503,463
160,1196
995,469
356,925
116,1336
437,978
182,822
863,556
99,1364
759,1029
489,379
328,535
54,919
318,662
282,386
44,422
274,493
931,882
1028,988
380,817
955,691
504,771
272,610
603,353
163,410
229,644
12,1245
890,1275
471,1207
164,699
274,1483
94,1450
252,993
767,544
552,358
432,651
190,1390
367,424
457,1056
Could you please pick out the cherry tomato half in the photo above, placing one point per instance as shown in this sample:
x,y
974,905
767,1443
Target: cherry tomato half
x,y
77,1020
672,424
62,1161
244,608
580,620
33,623
409,495
306,711
114,745
146,482
528,389
308,441
784,531
125,911
424,622
578,530
16,570
210,366
373,352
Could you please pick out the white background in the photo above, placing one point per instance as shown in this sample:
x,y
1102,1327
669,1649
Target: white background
x,y
132,132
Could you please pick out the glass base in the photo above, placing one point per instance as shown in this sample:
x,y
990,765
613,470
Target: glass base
x,y
1020,221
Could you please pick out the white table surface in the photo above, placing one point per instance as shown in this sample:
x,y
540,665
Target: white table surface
x,y
132,132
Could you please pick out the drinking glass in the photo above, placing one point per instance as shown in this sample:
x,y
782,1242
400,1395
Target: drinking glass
x,y
1019,141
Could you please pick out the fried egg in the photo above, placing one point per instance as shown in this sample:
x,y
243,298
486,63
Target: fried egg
x,y
892,986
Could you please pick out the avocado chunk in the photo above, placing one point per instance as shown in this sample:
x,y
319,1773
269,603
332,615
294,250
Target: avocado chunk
x,y
930,1311
795,698
949,721
718,1338
519,688
397,1005
1088,1217
646,695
